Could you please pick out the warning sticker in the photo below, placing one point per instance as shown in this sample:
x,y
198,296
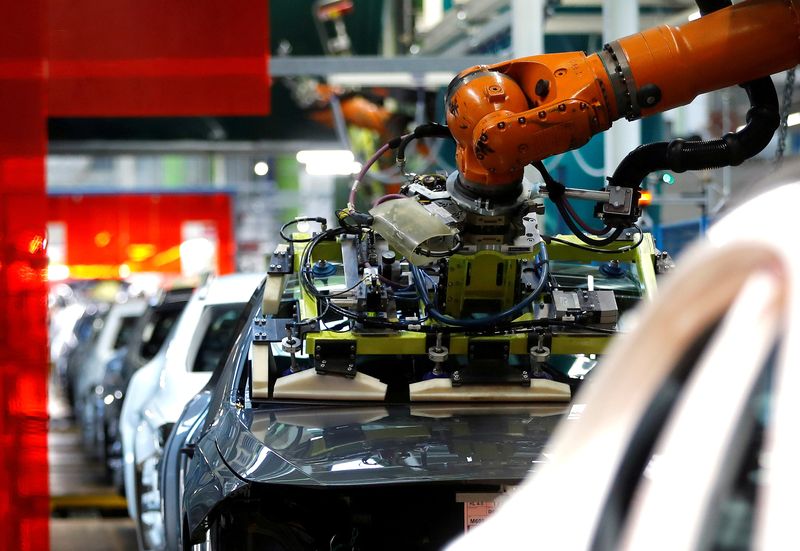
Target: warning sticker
x,y
476,512
478,507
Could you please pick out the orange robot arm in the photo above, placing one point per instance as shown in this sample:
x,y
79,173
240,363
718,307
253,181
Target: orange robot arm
x,y
508,115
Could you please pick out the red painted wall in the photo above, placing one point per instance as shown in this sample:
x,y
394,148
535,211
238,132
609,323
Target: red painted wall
x,y
24,502
141,231
110,58
156,58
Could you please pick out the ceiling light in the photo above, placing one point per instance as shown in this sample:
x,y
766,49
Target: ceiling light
x,y
320,162
261,168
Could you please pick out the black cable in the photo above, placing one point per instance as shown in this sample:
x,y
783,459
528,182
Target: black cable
x,y
678,155
442,254
428,130
322,221
556,191
582,236
493,319
595,250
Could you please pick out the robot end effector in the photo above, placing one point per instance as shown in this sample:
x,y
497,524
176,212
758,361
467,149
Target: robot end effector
x,y
514,113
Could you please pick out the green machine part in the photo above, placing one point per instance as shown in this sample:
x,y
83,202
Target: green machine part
x,y
484,281
476,277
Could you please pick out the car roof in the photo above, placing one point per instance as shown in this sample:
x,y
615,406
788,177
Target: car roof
x,y
231,288
131,307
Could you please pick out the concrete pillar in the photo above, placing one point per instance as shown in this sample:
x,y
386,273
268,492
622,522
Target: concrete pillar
x,y
527,27
620,18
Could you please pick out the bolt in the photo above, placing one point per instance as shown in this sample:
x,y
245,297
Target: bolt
x,y
562,107
456,376
501,125
318,348
583,106
521,120
525,375
542,115
279,266
272,266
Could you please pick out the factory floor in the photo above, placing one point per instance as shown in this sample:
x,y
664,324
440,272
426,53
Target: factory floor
x,y
87,513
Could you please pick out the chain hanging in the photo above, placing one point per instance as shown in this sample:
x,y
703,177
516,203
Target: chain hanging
x,y
783,130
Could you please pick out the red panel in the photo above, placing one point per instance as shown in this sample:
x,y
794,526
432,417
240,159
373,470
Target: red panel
x,y
157,58
101,228
24,502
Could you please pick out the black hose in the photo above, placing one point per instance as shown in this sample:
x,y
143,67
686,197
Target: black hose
x,y
708,6
763,118
427,130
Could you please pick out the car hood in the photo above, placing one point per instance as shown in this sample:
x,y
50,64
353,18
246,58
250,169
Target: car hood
x,y
335,445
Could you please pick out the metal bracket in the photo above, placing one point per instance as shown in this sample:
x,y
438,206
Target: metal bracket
x,y
267,330
664,263
282,260
488,365
620,200
336,357
600,305
481,351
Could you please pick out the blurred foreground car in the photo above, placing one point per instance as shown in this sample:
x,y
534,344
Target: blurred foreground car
x,y
79,346
158,392
117,327
686,436
144,342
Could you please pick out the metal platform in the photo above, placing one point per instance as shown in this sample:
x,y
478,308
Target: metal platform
x,y
87,513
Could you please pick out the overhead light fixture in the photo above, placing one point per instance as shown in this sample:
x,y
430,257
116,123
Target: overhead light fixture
x,y
57,272
261,168
694,16
328,162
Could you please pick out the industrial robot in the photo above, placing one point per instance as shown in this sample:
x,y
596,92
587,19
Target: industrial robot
x,y
448,290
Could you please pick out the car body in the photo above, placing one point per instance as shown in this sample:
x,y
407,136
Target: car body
x,y
231,456
117,327
158,391
145,341
697,450
79,346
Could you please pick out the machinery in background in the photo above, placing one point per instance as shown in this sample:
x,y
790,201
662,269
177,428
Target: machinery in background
x,y
453,271
447,291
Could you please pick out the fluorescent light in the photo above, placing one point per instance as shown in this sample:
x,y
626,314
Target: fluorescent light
x,y
57,272
320,162
333,169
261,168
694,16
311,156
